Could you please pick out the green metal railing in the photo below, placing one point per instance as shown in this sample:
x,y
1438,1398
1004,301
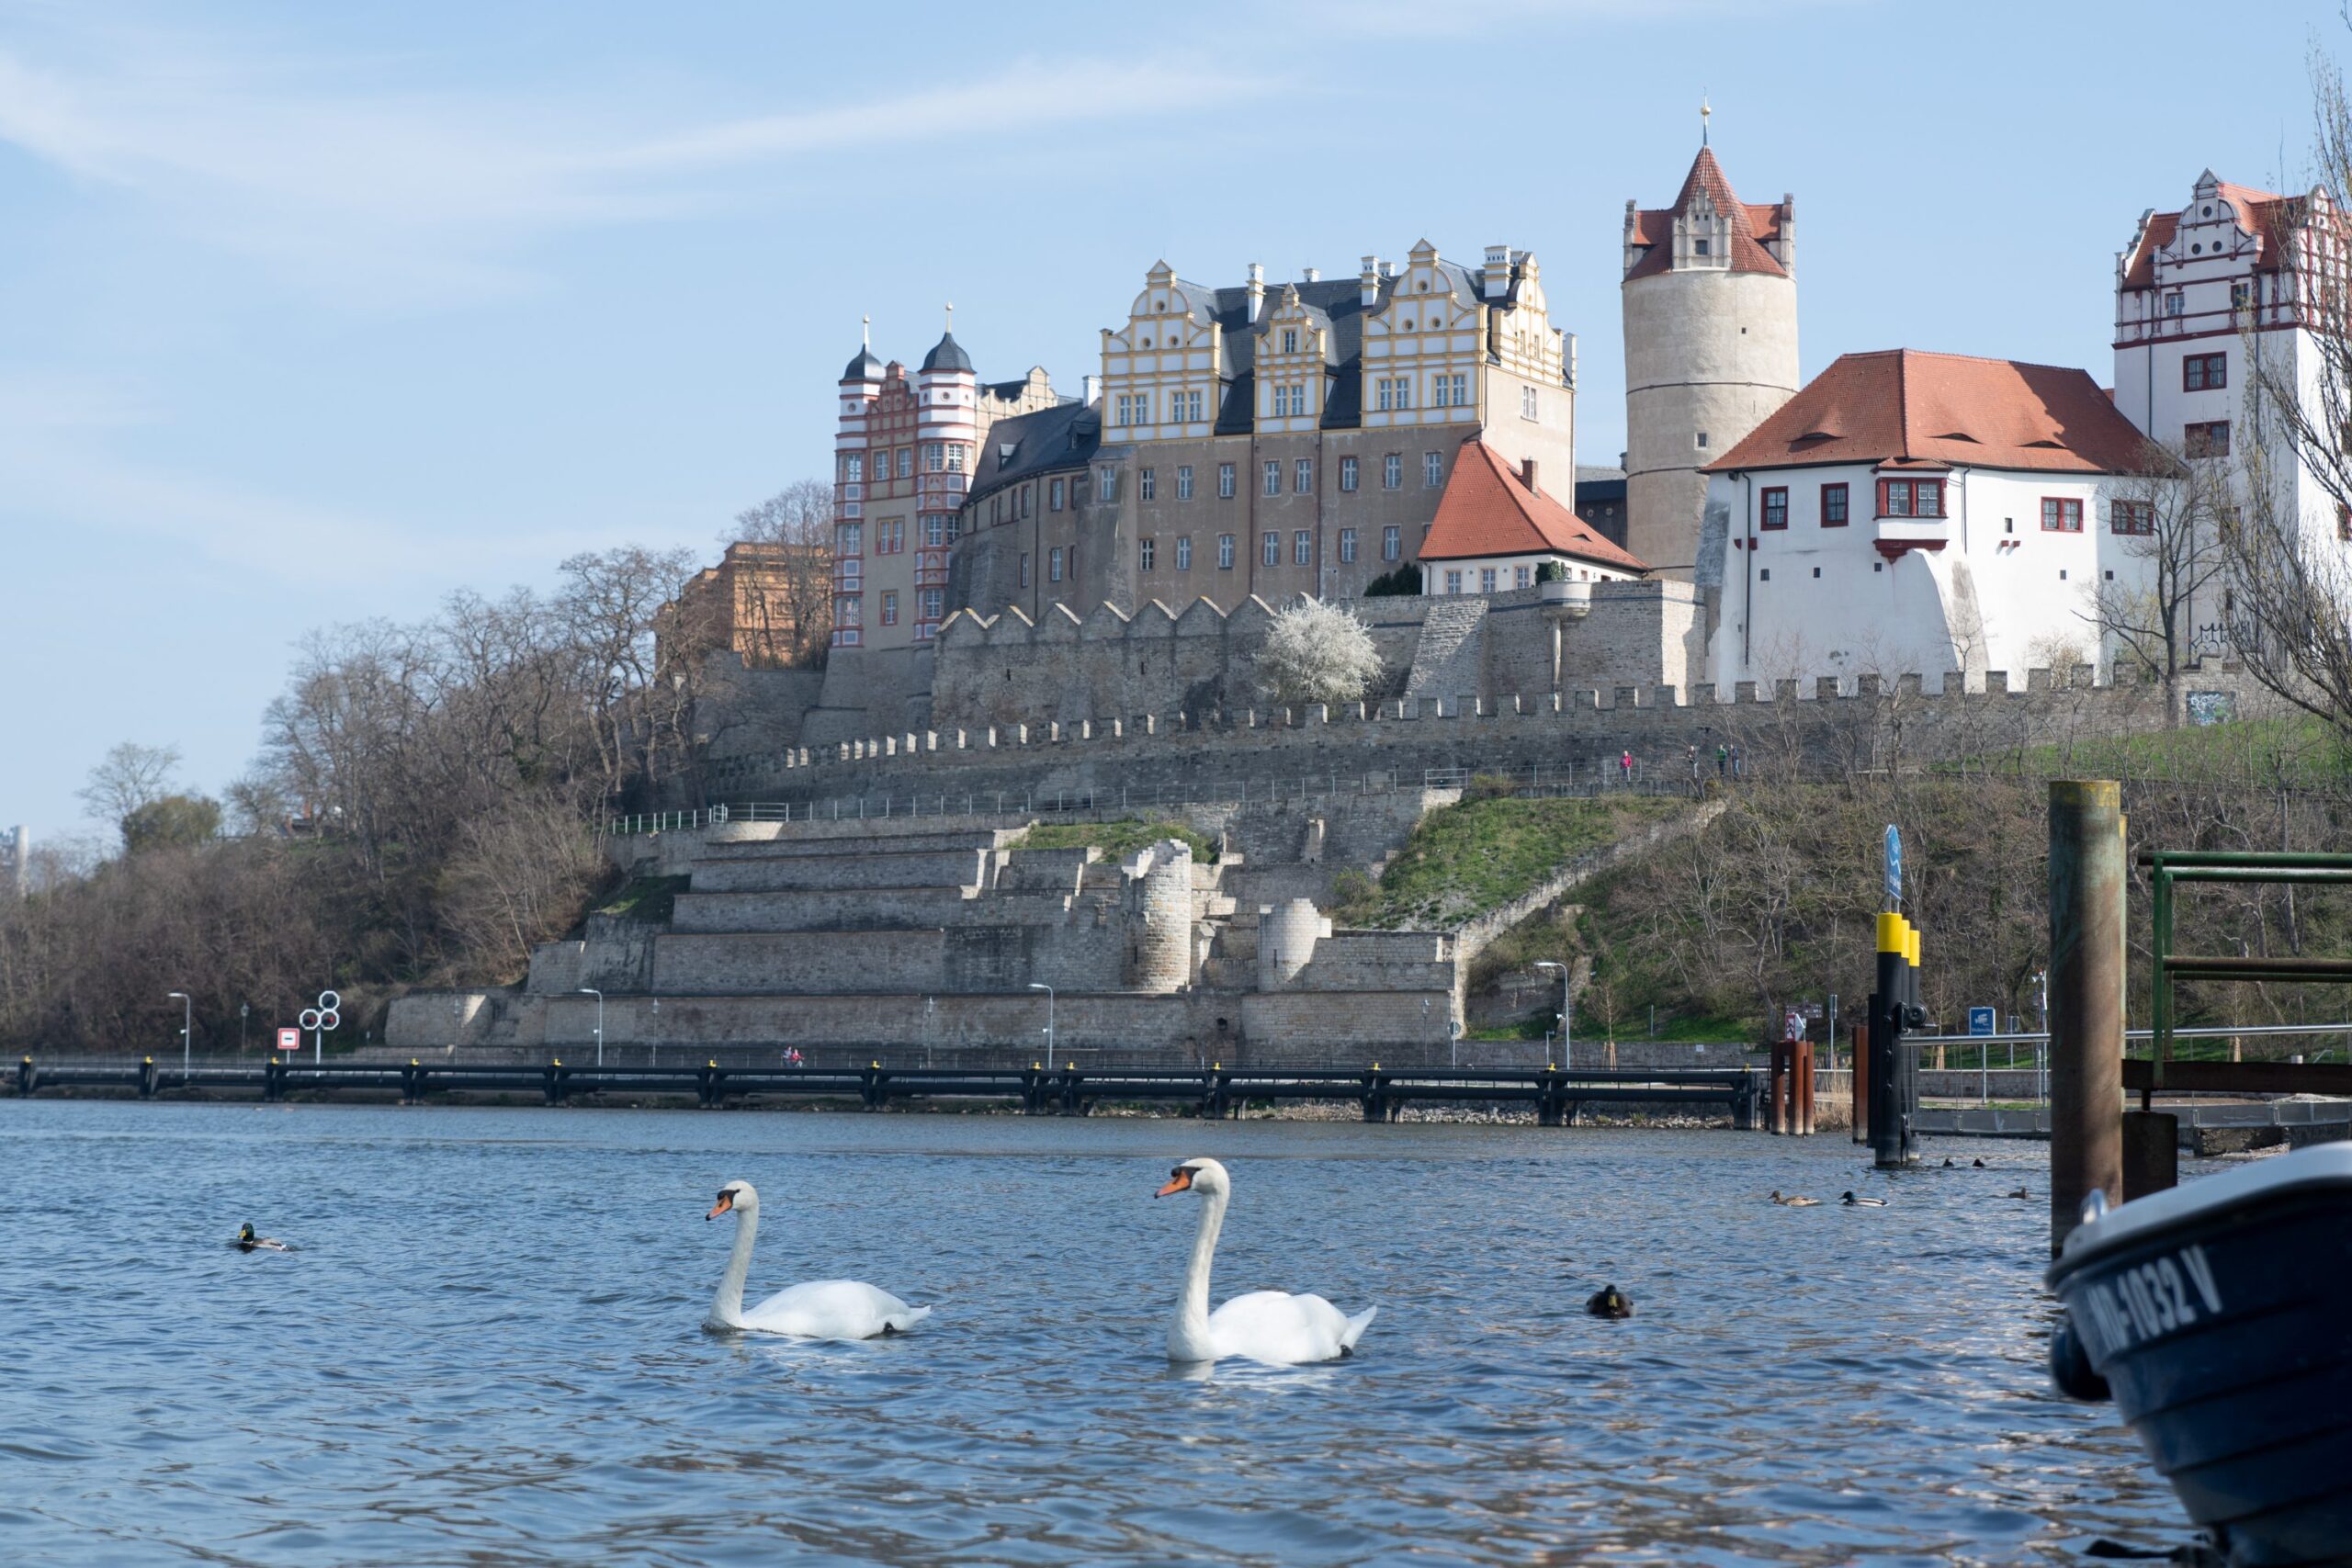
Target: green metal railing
x,y
2169,867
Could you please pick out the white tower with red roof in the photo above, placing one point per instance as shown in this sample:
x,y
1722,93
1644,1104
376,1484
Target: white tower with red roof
x,y
1710,349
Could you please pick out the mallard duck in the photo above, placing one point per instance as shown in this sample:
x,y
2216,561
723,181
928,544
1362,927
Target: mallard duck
x,y
1853,1203
248,1242
1793,1203
1610,1302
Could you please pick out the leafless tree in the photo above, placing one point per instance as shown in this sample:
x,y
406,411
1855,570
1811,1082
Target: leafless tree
x,y
787,597
132,777
2167,519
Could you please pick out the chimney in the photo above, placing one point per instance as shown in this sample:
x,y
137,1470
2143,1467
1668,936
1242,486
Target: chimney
x,y
1496,282
1257,291
1370,281
1089,390
1314,274
1527,474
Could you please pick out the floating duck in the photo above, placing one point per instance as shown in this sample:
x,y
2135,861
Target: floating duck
x,y
1853,1203
2022,1192
1947,1165
1793,1203
1977,1164
1610,1302
248,1242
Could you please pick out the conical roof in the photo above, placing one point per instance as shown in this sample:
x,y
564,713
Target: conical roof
x,y
865,368
947,354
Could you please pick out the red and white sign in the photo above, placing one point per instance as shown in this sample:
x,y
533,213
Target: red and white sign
x,y
289,1040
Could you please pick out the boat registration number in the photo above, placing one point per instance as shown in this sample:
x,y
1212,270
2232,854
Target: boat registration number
x,y
2147,1302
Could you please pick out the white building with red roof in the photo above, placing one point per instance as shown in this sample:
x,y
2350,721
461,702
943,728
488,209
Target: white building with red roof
x,y
1497,529
1922,513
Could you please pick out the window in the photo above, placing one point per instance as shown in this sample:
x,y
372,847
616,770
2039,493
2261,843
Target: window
x,y
934,457
1224,552
2204,372
935,530
1269,548
1392,542
1701,438
1055,496
2131,517
1144,488
890,608
853,468
1347,544
1054,564
1024,569
1527,405
1147,553
1302,478
2060,515
1183,481
1776,506
956,451
2172,304
1519,576
1225,481
1432,468
1273,477
1184,553
1301,548
1486,579
849,539
1449,391
1106,483
1833,506
2240,295
905,462
2207,440
1454,582
1700,245
1346,473
1392,472
1404,392
933,603
1184,407
1910,498
851,611
1290,340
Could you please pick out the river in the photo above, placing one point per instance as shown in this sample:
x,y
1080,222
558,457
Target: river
x,y
489,1348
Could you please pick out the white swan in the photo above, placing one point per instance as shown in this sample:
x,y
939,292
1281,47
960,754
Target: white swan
x,y
822,1309
1270,1326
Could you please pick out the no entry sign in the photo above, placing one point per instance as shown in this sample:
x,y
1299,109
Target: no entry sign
x,y
289,1040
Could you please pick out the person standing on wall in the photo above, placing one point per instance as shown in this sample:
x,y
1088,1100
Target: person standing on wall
x,y
1626,767
1723,762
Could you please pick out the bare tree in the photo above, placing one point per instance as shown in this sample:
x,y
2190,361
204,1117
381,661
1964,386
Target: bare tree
x,y
785,589
2167,519
132,777
1317,652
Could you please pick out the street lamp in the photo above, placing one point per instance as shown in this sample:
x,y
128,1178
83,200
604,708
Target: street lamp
x,y
591,991
242,1009
1567,1046
1040,986
187,1022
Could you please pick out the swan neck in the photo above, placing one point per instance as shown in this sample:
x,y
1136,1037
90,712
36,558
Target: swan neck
x,y
1190,1333
727,1311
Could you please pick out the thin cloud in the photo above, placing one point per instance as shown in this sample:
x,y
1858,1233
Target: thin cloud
x,y
422,197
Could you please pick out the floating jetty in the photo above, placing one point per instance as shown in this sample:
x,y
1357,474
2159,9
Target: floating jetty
x,y
1217,1090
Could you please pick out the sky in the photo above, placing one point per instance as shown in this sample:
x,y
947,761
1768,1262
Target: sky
x,y
316,313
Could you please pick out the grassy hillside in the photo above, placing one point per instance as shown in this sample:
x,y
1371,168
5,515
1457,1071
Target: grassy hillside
x,y
1117,838
1470,859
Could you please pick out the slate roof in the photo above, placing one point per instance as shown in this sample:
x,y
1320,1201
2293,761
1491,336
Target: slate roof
x,y
1905,408
947,354
1061,437
1750,226
865,368
1488,510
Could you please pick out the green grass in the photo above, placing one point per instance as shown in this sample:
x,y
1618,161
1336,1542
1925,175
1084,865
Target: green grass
x,y
2294,750
1468,859
1116,840
645,898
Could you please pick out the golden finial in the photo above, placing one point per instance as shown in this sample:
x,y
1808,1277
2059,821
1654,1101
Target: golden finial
x,y
865,331
1704,114
950,315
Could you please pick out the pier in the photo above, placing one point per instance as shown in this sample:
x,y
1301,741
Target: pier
x,y
1215,1091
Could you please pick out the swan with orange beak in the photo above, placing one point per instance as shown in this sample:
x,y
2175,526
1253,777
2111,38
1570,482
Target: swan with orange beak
x,y
1273,1328
822,1309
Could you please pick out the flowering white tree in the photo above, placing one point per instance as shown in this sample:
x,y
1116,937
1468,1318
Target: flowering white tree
x,y
1317,652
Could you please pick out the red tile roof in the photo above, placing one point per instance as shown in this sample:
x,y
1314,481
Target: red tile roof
x,y
1750,226
1902,407
2262,212
1489,510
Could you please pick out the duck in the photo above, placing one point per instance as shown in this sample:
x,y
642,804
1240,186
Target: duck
x,y
2022,1192
821,1309
1853,1203
1947,1164
248,1242
1274,1328
1610,1302
1793,1203
1977,1164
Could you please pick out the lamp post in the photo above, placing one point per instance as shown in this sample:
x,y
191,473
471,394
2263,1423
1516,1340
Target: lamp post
x,y
1567,1048
242,1009
1040,986
187,1023
592,991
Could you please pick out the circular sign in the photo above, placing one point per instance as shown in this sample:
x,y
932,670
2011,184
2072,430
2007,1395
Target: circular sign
x,y
329,1001
330,1019
309,1018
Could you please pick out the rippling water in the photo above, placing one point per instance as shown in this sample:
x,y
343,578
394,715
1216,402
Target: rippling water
x,y
489,1349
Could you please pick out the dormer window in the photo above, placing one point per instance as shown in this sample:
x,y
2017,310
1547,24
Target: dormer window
x,y
1699,247
1290,342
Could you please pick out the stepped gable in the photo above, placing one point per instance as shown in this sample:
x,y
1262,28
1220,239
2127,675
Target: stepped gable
x,y
1906,408
1707,188
1488,509
2267,215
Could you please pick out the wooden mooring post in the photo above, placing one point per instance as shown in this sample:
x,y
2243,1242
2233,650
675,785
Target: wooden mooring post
x,y
1790,1092
2087,883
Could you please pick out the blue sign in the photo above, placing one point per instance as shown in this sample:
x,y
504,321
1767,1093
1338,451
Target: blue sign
x,y
1893,868
1980,1021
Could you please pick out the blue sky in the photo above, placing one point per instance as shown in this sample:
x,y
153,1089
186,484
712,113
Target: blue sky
x,y
317,312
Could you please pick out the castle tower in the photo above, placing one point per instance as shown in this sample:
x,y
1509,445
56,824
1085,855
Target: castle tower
x,y
853,461
948,390
1710,349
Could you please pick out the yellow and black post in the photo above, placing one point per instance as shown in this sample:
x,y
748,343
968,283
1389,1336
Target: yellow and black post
x,y
1894,1081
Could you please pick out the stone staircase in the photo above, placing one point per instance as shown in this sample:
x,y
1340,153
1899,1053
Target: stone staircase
x,y
1445,660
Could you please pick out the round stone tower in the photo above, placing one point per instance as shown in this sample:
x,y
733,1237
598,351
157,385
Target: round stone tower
x,y
1710,349
1162,952
1287,933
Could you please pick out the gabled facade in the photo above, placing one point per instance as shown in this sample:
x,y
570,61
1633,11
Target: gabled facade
x,y
1497,530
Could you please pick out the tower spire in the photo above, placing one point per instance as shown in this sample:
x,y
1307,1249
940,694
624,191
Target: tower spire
x,y
865,331
1704,114
950,315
